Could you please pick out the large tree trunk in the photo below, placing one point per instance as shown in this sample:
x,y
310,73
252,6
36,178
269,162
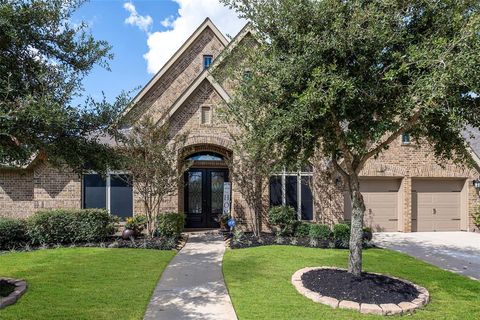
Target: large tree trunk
x,y
356,230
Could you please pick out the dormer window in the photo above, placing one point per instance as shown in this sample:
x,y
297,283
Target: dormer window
x,y
207,61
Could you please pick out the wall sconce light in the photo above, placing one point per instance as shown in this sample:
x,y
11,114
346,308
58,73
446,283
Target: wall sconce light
x,y
476,184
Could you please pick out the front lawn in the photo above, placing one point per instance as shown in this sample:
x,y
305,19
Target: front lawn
x,y
258,280
84,283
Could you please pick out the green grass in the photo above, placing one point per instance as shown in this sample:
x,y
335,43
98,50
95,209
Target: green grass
x,y
258,280
84,283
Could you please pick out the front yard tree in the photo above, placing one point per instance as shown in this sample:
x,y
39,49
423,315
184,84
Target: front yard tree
x,y
43,58
351,76
150,155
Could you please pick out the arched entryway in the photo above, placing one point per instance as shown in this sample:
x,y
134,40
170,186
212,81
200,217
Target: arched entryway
x,y
203,191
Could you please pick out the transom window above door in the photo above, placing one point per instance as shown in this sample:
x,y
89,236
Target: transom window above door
x,y
205,156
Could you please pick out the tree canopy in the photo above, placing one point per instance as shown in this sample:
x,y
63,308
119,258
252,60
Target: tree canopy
x,y
349,77
43,59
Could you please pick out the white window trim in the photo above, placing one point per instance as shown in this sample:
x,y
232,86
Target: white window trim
x,y
107,188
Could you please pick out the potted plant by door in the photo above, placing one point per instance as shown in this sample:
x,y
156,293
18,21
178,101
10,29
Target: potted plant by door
x,y
134,226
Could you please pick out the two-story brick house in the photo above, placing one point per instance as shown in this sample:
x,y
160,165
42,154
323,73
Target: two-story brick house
x,y
404,188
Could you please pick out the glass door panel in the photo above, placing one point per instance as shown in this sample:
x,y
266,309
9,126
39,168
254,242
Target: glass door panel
x,y
195,191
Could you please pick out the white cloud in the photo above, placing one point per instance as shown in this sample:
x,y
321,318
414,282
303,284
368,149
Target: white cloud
x,y
134,19
191,13
167,22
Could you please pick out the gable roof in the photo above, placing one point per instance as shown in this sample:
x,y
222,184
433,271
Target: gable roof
x,y
207,23
207,74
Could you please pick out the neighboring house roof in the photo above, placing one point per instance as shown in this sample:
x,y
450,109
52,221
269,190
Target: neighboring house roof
x,y
207,23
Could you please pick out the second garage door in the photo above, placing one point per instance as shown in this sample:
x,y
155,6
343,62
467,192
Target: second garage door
x,y
436,205
381,201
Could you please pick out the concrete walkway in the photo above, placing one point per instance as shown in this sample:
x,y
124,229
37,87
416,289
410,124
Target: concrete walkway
x,y
192,285
455,251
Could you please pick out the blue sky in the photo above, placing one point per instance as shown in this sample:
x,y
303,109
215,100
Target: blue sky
x,y
143,35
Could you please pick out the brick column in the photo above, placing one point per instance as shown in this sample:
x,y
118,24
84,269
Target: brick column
x,y
407,204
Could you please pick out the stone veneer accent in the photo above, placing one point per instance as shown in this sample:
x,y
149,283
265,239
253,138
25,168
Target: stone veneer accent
x,y
387,309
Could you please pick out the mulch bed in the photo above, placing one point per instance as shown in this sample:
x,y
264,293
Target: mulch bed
x,y
248,240
157,243
6,288
370,288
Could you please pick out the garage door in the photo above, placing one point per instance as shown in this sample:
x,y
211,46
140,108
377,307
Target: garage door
x,y
436,205
381,202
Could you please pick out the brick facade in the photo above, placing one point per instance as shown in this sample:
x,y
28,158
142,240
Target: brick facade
x,y
23,192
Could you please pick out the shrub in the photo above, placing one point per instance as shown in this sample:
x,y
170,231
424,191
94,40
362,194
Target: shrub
x,y
70,226
341,235
282,217
476,216
170,224
136,223
13,233
302,229
320,232
367,234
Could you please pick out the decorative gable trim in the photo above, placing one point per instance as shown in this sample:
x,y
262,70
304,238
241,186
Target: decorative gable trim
x,y
207,23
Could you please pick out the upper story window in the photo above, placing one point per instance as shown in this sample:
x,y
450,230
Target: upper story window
x,y
405,138
207,61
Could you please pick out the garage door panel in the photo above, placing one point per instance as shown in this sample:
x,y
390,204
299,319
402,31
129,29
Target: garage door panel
x,y
436,205
381,202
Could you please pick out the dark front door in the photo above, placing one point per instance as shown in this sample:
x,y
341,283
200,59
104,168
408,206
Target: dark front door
x,y
204,197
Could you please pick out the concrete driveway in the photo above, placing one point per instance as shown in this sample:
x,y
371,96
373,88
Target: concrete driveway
x,y
455,251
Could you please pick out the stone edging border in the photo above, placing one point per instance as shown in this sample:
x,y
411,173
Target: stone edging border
x,y
20,288
379,309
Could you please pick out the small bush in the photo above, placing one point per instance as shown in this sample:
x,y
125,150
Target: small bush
x,y
282,217
136,223
70,226
320,232
13,233
476,216
341,235
170,224
302,229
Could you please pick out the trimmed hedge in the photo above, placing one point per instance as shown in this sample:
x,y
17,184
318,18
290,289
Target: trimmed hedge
x,y
302,229
70,226
320,232
341,235
13,233
170,224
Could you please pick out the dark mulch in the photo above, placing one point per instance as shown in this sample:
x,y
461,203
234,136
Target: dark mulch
x,y
157,243
369,288
248,240
6,288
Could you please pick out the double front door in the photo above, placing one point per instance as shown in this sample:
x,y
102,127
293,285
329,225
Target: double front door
x,y
204,197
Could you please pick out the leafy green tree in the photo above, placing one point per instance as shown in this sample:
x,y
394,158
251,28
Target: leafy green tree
x,y
150,155
349,77
43,58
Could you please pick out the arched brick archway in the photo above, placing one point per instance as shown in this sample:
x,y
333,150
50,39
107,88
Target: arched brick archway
x,y
212,174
